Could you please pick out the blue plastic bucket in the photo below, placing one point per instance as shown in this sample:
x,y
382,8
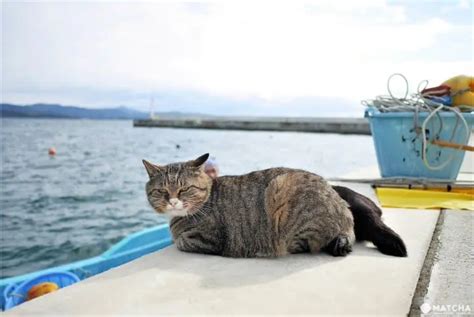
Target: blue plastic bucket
x,y
16,294
399,147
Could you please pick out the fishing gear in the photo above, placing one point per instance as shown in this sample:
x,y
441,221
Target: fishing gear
x,y
424,100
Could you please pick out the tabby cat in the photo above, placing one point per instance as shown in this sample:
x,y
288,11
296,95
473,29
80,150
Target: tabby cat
x,y
266,213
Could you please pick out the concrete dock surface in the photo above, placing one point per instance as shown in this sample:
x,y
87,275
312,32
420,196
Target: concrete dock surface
x,y
438,271
172,282
320,125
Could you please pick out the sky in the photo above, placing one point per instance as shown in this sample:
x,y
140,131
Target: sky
x,y
292,58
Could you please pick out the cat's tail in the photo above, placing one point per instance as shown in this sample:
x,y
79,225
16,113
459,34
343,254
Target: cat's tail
x,y
368,224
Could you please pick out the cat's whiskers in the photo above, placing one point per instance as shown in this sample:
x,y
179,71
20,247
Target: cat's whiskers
x,y
193,217
200,214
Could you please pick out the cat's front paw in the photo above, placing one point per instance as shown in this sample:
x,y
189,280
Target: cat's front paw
x,y
180,244
197,243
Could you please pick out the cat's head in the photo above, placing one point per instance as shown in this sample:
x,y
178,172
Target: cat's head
x,y
178,189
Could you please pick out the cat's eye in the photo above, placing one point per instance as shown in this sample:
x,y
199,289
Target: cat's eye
x,y
183,190
162,191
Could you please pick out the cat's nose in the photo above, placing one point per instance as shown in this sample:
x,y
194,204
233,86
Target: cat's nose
x,y
174,201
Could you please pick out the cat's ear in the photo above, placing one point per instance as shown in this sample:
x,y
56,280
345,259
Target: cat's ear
x,y
199,161
151,169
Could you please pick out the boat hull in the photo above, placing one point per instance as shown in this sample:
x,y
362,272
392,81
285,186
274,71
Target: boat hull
x,y
128,249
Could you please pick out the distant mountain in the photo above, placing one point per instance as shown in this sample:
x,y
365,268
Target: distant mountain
x,y
41,110
59,111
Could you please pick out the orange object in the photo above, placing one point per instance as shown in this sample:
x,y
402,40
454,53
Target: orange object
x,y
41,289
52,151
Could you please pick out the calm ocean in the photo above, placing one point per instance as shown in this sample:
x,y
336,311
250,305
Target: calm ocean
x,y
75,205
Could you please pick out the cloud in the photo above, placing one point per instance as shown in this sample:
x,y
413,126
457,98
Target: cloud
x,y
268,51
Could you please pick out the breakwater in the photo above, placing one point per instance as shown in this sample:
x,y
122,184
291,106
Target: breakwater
x,y
318,125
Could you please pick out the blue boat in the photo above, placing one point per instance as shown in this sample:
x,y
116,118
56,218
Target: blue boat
x,y
128,249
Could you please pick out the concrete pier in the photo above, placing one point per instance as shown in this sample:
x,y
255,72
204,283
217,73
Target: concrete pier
x,y
319,125
170,282
434,278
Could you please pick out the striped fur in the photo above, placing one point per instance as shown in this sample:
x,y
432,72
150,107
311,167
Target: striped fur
x,y
266,213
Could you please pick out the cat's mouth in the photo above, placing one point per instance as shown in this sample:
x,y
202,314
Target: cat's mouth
x,y
181,209
177,208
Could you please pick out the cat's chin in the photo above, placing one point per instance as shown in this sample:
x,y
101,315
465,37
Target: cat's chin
x,y
176,213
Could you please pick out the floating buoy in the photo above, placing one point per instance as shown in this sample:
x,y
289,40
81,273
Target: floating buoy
x,y
462,88
41,289
52,151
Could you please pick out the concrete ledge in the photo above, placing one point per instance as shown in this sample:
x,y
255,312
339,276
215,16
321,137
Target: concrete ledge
x,y
171,282
320,125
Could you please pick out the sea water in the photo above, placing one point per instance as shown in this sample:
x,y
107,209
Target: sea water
x,y
76,204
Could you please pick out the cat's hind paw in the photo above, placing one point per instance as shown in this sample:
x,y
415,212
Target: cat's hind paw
x,y
340,246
